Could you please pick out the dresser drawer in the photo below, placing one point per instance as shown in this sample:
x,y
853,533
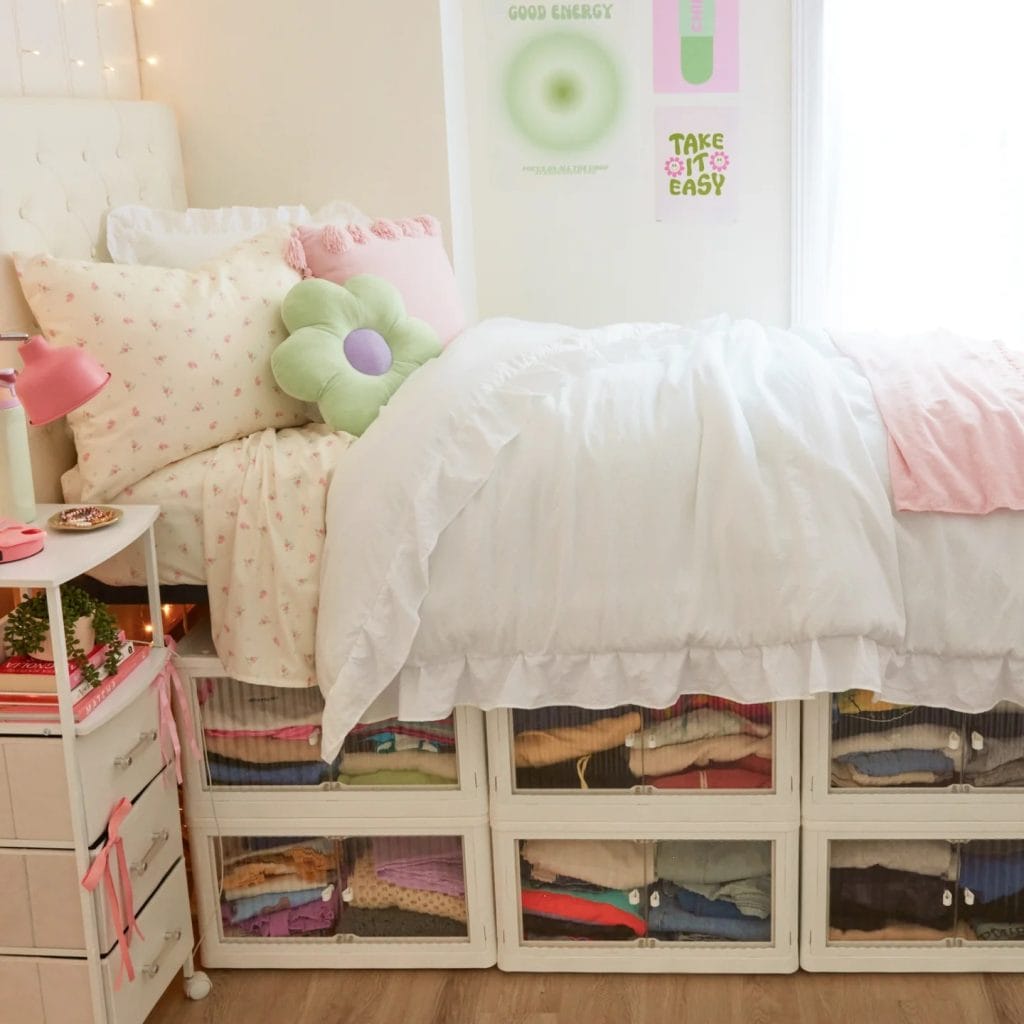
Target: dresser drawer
x,y
55,990
119,760
33,789
50,990
152,845
166,923
41,909
115,761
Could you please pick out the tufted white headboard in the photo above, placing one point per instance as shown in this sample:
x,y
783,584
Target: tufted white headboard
x,y
63,164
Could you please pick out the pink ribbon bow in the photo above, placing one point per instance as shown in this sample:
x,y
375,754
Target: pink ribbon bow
x,y
169,739
122,912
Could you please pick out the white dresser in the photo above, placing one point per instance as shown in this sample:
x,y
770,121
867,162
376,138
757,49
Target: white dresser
x,y
59,953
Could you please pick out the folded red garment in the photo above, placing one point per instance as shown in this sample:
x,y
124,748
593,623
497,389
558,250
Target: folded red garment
x,y
713,778
572,908
752,763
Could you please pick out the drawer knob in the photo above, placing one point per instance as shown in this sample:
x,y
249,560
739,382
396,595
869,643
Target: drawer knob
x,y
171,939
127,759
140,867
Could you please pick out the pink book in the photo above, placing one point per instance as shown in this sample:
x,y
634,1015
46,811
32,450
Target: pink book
x,y
42,710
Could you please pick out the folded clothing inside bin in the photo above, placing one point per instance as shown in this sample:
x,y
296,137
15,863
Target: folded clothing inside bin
x,y
426,865
392,923
868,899
605,907
263,735
314,917
691,745
224,772
400,754
876,744
278,891
712,891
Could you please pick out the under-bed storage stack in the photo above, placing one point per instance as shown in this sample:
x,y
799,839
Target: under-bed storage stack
x,y
913,837
379,859
644,840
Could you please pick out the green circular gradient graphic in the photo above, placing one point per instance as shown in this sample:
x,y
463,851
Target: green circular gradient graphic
x,y
563,91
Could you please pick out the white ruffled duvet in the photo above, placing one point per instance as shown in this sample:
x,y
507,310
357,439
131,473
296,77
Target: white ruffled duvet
x,y
550,516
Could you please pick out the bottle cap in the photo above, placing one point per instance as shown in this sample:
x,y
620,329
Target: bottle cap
x,y
8,378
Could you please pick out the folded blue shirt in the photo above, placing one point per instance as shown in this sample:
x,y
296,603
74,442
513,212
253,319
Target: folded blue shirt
x,y
680,924
991,877
236,911
298,773
695,903
896,762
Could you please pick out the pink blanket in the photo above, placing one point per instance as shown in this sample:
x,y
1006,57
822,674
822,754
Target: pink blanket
x,y
954,411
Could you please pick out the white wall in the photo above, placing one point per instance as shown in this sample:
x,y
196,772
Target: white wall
x,y
596,255
306,101
68,48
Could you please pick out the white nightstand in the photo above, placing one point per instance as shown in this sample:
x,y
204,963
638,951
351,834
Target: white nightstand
x,y
59,954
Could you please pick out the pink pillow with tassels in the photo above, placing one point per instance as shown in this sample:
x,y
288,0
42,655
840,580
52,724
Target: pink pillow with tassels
x,y
408,253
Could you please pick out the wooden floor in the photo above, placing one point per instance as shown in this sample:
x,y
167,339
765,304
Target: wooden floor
x,y
490,997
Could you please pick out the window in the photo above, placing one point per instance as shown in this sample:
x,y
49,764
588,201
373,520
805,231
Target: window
x,y
909,171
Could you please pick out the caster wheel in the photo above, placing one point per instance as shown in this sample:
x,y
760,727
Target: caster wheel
x,y
198,986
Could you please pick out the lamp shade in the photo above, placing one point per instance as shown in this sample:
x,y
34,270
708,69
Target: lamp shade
x,y
56,381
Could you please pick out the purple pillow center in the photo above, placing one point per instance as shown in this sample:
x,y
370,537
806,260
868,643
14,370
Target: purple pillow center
x,y
368,352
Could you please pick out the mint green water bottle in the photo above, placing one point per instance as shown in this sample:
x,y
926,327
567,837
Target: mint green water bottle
x,y
17,494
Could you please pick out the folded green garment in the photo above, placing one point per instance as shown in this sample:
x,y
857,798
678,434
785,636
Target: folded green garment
x,y
395,778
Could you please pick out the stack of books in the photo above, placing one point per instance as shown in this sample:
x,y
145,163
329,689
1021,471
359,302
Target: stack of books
x,y
28,687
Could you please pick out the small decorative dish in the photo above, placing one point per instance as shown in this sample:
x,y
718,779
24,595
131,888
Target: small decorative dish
x,y
82,518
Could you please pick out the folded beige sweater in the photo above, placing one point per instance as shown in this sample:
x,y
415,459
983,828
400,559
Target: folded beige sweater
x,y
263,749
611,863
933,857
680,756
542,747
443,765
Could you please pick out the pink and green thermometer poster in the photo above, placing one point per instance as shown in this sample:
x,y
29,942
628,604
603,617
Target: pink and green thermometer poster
x,y
696,46
696,161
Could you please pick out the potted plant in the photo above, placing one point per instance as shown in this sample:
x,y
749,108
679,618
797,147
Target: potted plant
x,y
87,623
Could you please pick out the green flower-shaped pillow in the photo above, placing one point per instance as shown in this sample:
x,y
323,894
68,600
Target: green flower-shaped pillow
x,y
350,347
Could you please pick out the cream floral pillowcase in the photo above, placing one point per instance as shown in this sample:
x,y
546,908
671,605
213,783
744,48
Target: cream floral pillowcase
x,y
189,353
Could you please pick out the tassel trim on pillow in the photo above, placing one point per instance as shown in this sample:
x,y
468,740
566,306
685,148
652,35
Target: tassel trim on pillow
x,y
337,240
295,255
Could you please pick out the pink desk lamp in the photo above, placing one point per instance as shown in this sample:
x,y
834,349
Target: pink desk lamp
x,y
54,382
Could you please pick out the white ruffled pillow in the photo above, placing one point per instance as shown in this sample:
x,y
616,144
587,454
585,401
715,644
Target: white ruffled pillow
x,y
187,238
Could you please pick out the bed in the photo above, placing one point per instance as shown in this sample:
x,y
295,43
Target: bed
x,y
609,563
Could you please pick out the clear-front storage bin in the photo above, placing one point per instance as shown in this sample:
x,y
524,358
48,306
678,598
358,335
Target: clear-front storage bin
x,y
373,898
716,752
719,899
260,743
268,737
918,898
870,758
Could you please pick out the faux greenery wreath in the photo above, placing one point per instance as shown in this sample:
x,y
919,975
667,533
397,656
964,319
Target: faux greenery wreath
x,y
28,624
